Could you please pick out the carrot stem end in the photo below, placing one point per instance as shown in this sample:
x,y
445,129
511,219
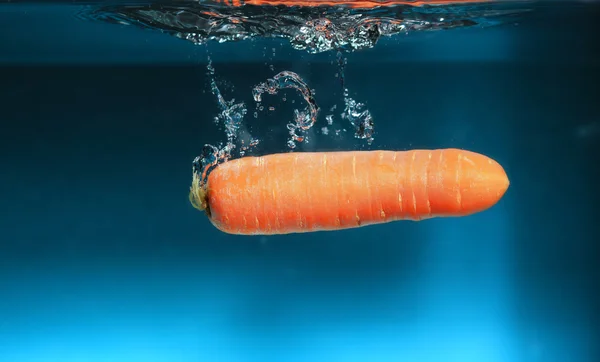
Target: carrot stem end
x,y
198,196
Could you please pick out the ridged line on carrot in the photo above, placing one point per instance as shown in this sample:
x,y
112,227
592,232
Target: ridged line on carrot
x,y
317,191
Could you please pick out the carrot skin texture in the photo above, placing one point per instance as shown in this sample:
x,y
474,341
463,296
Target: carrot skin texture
x,y
319,191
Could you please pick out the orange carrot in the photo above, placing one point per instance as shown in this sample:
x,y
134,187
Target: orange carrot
x,y
302,192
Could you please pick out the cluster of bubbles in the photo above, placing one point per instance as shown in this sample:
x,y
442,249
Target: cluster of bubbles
x,y
231,116
303,119
314,29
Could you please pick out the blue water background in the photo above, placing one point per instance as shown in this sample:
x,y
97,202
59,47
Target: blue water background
x,y
103,259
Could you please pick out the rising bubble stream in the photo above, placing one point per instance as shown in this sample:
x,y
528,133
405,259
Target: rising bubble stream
x,y
304,119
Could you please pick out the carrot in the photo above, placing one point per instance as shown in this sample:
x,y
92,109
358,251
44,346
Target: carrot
x,y
302,192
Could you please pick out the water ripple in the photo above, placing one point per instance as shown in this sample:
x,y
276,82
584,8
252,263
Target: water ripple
x,y
311,26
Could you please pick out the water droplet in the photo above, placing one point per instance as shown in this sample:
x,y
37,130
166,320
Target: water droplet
x,y
329,119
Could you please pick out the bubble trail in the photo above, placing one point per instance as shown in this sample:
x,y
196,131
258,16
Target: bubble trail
x,y
231,116
360,118
303,120
341,62
355,112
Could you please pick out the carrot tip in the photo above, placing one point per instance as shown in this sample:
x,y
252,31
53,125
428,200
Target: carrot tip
x,y
198,197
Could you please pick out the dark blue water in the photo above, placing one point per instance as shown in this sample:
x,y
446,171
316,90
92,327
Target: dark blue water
x,y
102,258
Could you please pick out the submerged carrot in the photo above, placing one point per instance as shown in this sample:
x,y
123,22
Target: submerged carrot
x,y
302,192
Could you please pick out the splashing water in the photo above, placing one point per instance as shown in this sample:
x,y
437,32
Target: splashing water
x,y
354,112
307,25
231,117
232,114
311,26
210,157
360,118
320,35
303,120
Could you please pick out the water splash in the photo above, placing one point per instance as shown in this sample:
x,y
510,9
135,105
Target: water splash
x,y
210,157
322,34
310,26
230,117
354,112
360,118
303,120
232,114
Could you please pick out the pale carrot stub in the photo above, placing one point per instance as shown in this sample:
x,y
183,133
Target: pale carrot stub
x,y
302,192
